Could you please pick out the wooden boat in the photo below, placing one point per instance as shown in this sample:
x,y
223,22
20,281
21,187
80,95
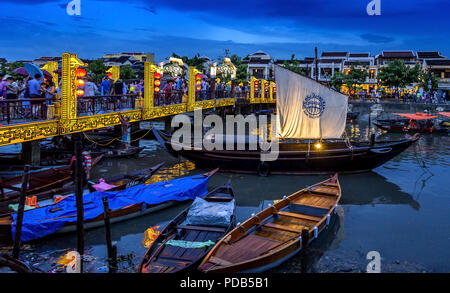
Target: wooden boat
x,y
274,235
119,152
38,182
162,258
296,158
126,213
310,137
116,183
414,123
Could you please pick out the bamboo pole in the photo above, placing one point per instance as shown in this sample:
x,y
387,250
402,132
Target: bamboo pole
x,y
112,249
79,198
19,220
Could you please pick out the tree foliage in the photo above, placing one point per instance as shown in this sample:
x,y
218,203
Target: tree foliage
x,y
397,75
294,65
425,77
126,72
355,76
97,70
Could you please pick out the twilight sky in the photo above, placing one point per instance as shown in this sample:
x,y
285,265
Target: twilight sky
x,y
34,28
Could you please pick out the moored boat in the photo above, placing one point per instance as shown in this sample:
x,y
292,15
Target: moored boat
x,y
181,246
310,125
273,235
38,182
139,200
115,183
118,152
413,123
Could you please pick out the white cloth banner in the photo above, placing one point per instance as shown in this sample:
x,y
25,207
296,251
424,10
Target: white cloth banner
x,y
306,108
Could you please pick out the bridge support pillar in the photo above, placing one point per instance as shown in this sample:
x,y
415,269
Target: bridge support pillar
x,y
135,133
167,125
31,153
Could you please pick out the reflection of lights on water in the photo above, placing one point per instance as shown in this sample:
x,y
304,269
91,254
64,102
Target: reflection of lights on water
x,y
172,172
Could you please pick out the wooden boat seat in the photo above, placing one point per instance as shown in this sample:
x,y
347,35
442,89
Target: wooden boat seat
x,y
322,192
282,228
299,216
175,259
308,210
199,228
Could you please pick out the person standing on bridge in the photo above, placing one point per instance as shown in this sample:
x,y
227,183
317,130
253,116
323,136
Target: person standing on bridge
x,y
34,86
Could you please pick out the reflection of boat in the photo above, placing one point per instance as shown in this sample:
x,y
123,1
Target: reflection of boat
x,y
125,204
414,123
311,119
172,251
372,188
273,235
116,183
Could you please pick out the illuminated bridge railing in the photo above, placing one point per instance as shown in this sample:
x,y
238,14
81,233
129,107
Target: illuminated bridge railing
x,y
19,111
93,105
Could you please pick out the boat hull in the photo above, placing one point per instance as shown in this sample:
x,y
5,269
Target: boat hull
x,y
326,161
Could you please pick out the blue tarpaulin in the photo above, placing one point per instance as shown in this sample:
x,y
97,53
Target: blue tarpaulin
x,y
40,222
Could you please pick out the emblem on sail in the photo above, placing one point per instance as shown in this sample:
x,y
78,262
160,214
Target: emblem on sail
x,y
313,106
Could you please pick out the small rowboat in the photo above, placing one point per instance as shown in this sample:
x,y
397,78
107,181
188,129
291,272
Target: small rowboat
x,y
121,182
38,182
164,258
273,235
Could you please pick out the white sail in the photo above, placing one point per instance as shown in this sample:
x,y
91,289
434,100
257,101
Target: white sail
x,y
308,109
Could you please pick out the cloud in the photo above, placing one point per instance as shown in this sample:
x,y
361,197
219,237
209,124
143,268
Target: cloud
x,y
377,39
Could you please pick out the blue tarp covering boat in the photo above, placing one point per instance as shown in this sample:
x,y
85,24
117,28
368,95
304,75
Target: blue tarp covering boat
x,y
47,220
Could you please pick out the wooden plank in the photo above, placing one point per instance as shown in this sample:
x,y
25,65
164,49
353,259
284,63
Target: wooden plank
x,y
219,261
322,193
299,216
282,227
199,228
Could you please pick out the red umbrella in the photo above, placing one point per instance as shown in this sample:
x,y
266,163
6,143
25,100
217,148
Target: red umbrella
x,y
23,71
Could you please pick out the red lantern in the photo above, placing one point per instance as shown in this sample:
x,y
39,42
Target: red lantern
x,y
80,92
157,82
80,72
157,75
157,89
80,82
198,76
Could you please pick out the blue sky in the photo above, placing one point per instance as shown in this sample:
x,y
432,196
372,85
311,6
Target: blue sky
x,y
34,28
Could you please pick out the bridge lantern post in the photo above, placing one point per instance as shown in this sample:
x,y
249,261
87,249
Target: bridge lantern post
x,y
149,88
70,63
273,89
192,88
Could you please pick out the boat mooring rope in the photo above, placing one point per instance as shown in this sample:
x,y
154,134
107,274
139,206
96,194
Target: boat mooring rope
x,y
115,139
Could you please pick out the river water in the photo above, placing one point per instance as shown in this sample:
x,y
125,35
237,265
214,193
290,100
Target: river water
x,y
401,210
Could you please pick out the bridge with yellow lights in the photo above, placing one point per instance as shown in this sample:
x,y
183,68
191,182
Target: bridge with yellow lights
x,y
63,117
